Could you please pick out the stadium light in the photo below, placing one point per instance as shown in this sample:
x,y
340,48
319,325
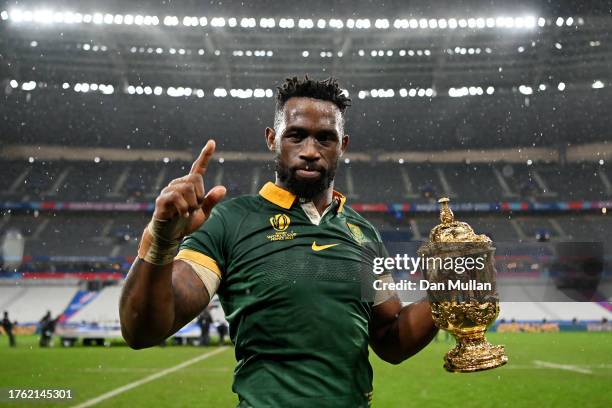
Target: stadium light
x,y
171,21
381,23
146,90
286,23
44,16
28,86
106,89
336,23
457,92
525,90
220,93
305,23
217,22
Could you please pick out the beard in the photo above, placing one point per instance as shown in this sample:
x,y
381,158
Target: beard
x,y
307,189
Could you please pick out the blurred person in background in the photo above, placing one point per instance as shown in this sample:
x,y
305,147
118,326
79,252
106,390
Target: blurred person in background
x,y
47,328
204,322
222,330
7,325
43,321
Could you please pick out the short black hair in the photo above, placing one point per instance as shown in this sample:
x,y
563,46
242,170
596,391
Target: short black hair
x,y
326,90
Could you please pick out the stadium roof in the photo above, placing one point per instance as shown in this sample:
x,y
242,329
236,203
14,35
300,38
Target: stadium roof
x,y
422,76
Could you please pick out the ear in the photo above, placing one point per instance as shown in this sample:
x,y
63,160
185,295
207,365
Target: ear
x,y
344,145
271,139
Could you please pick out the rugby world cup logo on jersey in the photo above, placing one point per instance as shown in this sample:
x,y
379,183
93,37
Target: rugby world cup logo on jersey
x,y
280,223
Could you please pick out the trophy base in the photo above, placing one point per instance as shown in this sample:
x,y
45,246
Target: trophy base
x,y
474,353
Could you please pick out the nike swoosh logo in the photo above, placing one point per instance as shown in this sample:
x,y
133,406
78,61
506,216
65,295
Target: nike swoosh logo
x,y
317,248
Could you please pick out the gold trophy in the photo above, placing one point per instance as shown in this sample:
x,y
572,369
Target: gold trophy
x,y
464,301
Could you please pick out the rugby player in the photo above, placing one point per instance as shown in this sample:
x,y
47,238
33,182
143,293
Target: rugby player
x,y
285,263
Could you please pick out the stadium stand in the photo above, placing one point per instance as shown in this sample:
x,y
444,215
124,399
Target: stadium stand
x,y
552,311
116,234
140,181
103,309
28,303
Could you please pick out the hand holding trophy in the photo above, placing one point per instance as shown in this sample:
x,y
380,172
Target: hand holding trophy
x,y
463,299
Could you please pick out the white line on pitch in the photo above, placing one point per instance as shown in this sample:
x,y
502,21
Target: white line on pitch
x,y
562,367
147,379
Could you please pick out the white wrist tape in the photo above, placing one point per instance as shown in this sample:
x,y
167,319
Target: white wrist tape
x,y
160,240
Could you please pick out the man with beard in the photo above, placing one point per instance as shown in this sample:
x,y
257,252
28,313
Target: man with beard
x,y
285,263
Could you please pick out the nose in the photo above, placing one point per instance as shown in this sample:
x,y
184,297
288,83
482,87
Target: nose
x,y
309,150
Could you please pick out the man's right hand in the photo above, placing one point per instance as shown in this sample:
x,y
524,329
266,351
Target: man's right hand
x,y
184,203
162,295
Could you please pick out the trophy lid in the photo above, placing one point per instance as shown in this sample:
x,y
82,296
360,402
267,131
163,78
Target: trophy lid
x,y
452,231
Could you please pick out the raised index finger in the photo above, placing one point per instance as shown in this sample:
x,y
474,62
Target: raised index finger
x,y
200,164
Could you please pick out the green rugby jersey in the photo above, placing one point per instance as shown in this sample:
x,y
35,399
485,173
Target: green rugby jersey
x,y
291,291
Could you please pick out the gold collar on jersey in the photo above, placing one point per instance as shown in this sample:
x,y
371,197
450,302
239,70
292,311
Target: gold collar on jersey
x,y
284,199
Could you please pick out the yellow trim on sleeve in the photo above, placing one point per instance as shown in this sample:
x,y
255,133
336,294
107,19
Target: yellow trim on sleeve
x,y
200,259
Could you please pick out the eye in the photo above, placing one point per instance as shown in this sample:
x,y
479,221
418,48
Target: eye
x,y
295,136
326,138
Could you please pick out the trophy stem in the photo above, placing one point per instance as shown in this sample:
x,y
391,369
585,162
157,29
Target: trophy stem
x,y
474,353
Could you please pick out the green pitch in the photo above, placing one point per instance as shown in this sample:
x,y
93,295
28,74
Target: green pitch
x,y
545,370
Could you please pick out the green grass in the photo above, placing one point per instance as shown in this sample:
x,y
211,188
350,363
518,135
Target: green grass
x,y
418,382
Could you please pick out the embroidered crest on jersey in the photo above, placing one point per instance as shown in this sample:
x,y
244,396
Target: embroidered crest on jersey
x,y
357,233
280,223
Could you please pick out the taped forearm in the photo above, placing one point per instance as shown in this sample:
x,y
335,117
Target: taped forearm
x,y
160,240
